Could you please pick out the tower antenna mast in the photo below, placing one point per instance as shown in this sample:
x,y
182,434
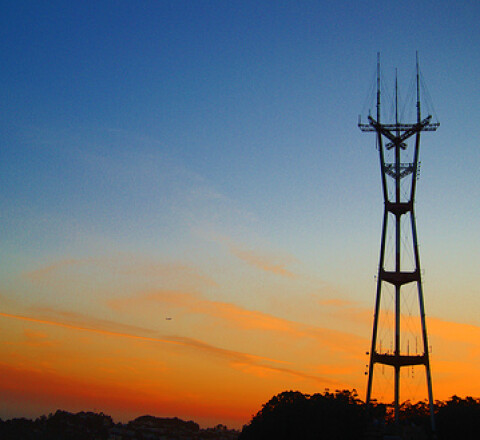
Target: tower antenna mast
x,y
401,209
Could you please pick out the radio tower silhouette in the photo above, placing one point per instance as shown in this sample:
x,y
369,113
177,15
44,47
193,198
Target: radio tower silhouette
x,y
399,205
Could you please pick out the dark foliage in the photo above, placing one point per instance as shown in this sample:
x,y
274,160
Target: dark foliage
x,y
90,426
458,419
293,415
166,423
341,415
59,426
18,429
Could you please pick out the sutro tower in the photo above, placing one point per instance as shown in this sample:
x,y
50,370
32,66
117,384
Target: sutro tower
x,y
399,210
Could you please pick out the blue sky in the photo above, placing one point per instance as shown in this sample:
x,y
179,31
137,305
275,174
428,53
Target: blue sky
x,y
196,132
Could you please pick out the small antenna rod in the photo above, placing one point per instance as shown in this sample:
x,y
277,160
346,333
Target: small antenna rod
x,y
418,90
378,87
396,98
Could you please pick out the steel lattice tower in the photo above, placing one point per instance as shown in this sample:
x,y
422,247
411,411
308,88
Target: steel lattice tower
x,y
393,136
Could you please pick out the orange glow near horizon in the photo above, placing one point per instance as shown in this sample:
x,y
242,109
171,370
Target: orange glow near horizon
x,y
126,370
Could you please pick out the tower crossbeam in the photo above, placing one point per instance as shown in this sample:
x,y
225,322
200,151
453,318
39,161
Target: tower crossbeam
x,y
394,127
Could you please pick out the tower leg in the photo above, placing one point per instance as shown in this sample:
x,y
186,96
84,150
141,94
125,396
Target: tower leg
x,y
377,307
423,322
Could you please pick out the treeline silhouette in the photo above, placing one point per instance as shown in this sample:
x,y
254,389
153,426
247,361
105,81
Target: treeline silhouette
x,y
292,415
92,426
59,426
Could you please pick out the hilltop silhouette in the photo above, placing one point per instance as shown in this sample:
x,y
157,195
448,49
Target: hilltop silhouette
x,y
92,426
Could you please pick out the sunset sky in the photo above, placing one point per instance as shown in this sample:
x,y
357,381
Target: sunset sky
x,y
190,218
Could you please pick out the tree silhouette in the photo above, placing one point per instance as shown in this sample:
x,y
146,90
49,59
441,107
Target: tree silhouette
x,y
341,415
458,419
59,426
293,415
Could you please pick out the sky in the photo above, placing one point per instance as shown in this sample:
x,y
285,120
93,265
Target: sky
x,y
190,217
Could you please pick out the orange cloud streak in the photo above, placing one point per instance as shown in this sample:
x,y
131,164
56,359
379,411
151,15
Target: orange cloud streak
x,y
234,357
243,318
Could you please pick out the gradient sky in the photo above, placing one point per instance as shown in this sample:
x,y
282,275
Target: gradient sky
x,y
201,161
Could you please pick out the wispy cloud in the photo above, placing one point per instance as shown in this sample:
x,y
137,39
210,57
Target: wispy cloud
x,y
82,321
196,303
269,263
266,370
272,262
46,272
241,318
235,358
37,339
